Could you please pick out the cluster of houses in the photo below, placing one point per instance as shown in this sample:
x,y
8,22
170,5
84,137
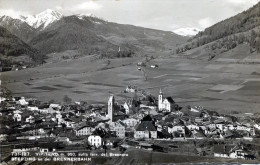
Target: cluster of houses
x,y
143,119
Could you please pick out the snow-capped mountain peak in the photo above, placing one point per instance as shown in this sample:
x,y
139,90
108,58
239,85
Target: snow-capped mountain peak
x,y
188,31
82,16
42,19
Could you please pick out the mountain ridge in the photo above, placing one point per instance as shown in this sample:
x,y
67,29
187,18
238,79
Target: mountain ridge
x,y
17,27
43,19
54,35
126,36
243,28
15,51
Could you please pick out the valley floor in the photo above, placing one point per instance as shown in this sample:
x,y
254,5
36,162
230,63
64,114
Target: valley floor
x,y
222,85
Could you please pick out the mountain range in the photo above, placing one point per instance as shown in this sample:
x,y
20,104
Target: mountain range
x,y
50,32
26,27
17,27
43,19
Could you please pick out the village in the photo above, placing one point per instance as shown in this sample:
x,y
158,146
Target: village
x,y
151,123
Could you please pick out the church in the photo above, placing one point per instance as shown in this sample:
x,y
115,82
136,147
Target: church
x,y
165,104
114,111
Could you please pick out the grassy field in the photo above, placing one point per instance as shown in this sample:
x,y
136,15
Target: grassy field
x,y
137,156
223,86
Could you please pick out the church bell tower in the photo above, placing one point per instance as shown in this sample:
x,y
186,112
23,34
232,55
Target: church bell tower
x,y
110,108
160,101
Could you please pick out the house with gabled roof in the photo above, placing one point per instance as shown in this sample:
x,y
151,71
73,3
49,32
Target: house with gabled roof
x,y
177,127
197,134
145,130
208,113
95,140
119,128
22,101
130,89
192,126
17,115
85,130
235,152
130,122
130,104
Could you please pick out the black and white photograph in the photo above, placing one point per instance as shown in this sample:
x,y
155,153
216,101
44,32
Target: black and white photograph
x,y
129,82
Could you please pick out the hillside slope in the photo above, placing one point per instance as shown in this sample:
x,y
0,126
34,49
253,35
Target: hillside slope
x,y
243,28
96,35
13,50
50,32
17,27
69,33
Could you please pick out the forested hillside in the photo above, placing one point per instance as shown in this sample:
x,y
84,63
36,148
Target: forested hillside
x,y
242,28
11,48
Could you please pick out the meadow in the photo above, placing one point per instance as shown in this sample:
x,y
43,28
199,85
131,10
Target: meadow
x,y
221,85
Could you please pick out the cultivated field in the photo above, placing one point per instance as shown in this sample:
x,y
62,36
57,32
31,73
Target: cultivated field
x,y
219,85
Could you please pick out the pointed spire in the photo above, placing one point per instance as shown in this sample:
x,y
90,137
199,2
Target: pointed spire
x,y
160,91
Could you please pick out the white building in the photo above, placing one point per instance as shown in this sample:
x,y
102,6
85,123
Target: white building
x,y
17,117
17,111
22,101
127,108
237,154
234,153
30,119
165,104
220,126
85,130
177,128
130,122
243,128
2,99
55,106
119,128
154,66
33,108
95,140
130,89
130,104
193,127
58,117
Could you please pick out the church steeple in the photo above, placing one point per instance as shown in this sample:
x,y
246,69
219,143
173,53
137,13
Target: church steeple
x,y
160,100
110,109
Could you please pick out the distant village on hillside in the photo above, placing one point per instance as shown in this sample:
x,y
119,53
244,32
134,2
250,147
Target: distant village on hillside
x,y
144,123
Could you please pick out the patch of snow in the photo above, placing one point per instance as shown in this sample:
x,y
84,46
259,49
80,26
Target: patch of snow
x,y
44,18
97,22
81,16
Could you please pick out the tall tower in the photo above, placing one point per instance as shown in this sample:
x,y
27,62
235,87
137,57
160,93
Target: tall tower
x,y
160,101
110,108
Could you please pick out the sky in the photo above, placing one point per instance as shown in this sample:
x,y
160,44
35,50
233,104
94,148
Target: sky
x,y
169,15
